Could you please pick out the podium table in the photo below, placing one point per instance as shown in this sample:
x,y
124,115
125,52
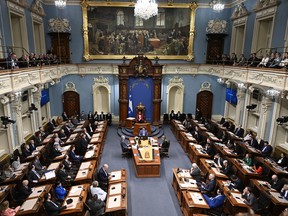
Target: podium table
x,y
129,122
138,126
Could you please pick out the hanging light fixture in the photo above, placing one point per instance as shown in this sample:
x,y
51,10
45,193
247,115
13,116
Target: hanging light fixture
x,y
61,4
216,5
146,9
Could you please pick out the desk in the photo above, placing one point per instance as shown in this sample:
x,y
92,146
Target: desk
x,y
72,139
178,129
93,153
37,152
52,167
30,207
116,203
39,191
64,151
235,203
185,139
4,192
118,176
273,167
78,194
129,122
193,202
179,184
138,126
249,149
19,174
224,150
210,167
145,168
85,172
195,152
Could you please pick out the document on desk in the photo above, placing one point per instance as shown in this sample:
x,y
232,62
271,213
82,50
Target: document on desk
x,y
50,174
185,174
97,135
115,189
75,190
115,175
28,204
89,154
114,201
279,197
81,174
84,165
94,140
53,166
197,198
36,192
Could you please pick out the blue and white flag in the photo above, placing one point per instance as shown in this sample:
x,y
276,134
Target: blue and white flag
x,y
130,107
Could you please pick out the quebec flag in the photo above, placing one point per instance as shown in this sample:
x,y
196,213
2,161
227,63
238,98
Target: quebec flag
x,y
130,107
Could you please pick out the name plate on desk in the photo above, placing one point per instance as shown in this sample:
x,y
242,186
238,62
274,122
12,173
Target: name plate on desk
x,y
28,204
116,175
115,189
114,201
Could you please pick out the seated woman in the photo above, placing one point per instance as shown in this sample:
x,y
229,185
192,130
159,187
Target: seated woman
x,y
140,117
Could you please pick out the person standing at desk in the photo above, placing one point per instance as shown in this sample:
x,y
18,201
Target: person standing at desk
x,y
143,132
103,177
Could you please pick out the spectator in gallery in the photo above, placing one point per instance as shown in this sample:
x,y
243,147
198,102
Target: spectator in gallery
x,y
276,61
242,61
12,61
264,61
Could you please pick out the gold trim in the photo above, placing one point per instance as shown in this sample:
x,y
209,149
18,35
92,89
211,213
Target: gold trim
x,y
86,55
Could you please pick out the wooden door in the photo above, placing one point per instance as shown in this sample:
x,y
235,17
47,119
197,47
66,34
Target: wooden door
x,y
215,47
204,103
60,45
71,103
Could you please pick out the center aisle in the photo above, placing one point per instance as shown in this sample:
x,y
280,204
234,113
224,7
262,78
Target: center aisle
x,y
147,196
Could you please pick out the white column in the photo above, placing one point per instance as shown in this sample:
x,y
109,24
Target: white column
x,y
17,110
37,115
245,111
275,115
239,107
264,113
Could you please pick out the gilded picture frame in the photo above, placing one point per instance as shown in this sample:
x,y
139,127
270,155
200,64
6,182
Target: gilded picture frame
x,y
111,31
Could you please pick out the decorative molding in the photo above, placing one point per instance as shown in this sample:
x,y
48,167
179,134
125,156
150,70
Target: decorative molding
x,y
239,11
59,25
4,99
176,80
216,26
240,21
16,8
37,8
21,3
266,12
36,17
101,80
205,86
70,86
264,4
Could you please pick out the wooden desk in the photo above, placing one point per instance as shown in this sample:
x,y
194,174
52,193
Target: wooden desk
x,y
235,203
273,167
178,129
116,203
249,149
78,194
195,152
39,150
193,202
39,191
64,151
52,167
129,122
185,139
93,153
72,139
210,167
146,168
118,176
224,150
199,125
4,192
243,171
19,174
85,172
30,207
138,126
179,184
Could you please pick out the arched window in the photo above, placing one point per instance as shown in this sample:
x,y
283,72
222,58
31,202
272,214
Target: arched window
x,y
120,18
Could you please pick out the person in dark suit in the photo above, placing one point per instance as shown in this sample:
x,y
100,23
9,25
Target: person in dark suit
x,y
284,191
225,124
226,168
282,161
103,176
63,175
275,183
178,116
90,117
23,191
55,152
199,138
195,172
198,114
209,186
90,128
50,126
231,127
218,160
52,208
236,183
143,132
96,205
172,115
267,149
64,116
82,116
109,118
165,142
82,144
66,129
249,197
125,148
208,148
38,139
62,135
216,201
32,146
33,176
101,116
26,151
95,116
38,166
239,131
74,157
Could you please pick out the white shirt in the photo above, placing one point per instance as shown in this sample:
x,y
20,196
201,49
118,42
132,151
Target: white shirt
x,y
97,190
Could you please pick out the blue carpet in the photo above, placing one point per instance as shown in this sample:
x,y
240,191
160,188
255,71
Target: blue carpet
x,y
148,196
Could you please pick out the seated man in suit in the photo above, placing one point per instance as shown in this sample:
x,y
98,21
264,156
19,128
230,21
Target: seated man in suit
x,y
275,183
103,177
52,208
109,118
209,186
56,150
82,144
195,172
124,146
218,160
239,131
226,168
38,166
283,160
96,205
284,191
33,177
236,183
63,175
267,149
32,146
26,151
74,157
50,126
249,197
140,117
23,191
143,132
216,201
62,135
64,116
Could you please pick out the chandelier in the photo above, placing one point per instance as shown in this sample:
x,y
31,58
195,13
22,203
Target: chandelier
x,y
216,5
146,9
60,4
